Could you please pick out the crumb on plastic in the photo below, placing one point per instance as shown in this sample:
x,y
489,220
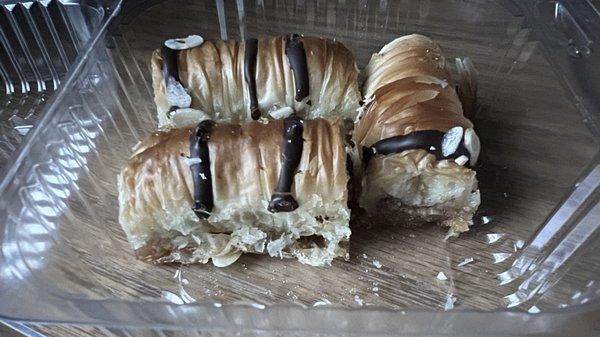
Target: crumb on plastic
x,y
466,261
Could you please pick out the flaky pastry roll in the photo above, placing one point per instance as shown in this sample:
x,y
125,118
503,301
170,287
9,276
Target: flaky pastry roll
x,y
417,147
216,191
231,81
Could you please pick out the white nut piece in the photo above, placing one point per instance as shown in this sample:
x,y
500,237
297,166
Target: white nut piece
x,y
472,145
281,112
225,260
187,117
192,161
461,160
452,140
177,95
184,43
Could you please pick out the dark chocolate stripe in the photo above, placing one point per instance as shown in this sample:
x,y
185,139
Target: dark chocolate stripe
x,y
282,200
170,67
203,196
251,50
349,166
294,49
416,140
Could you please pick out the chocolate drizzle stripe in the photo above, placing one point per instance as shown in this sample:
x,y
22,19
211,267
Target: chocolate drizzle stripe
x,y
349,166
250,52
282,200
424,140
294,49
170,67
203,195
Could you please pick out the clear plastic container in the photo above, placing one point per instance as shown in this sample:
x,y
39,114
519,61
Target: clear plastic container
x,y
534,248
39,42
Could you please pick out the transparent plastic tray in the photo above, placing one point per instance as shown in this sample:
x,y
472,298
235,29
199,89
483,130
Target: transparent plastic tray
x,y
38,44
534,248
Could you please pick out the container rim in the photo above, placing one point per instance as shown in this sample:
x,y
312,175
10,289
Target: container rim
x,y
575,320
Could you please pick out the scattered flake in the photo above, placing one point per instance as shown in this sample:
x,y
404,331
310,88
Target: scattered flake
x,y
432,148
505,194
173,298
202,176
493,237
534,310
486,220
185,281
589,284
365,256
450,300
323,301
358,300
441,276
585,300
377,264
499,257
217,305
519,244
289,141
466,262
192,161
177,273
562,305
576,295
185,42
258,306
451,233
375,289
461,160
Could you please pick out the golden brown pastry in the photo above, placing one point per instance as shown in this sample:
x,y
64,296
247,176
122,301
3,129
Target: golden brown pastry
x,y
418,148
231,81
216,191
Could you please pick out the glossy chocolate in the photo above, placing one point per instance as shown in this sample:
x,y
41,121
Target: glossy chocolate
x,y
251,50
294,49
349,166
203,195
424,140
282,199
170,67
